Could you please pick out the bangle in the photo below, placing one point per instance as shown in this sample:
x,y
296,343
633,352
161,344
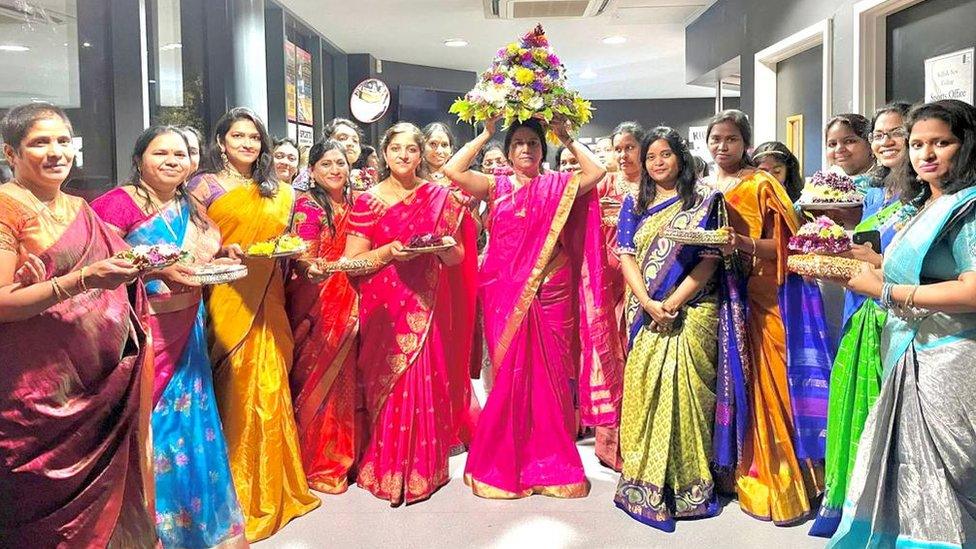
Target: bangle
x,y
886,295
910,300
752,242
81,281
59,292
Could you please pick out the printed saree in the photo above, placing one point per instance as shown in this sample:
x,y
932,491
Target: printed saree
x,y
408,351
325,321
252,350
669,381
196,506
914,478
74,396
778,471
856,376
546,304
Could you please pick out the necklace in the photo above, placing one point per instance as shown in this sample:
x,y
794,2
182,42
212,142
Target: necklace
x,y
397,189
42,207
230,172
521,212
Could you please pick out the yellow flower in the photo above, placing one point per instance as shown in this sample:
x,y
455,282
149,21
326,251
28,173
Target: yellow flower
x,y
524,76
513,48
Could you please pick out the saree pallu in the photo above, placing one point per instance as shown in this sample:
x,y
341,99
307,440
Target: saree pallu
x,y
779,464
196,506
914,479
325,321
669,381
407,311
856,376
611,192
74,404
545,306
252,351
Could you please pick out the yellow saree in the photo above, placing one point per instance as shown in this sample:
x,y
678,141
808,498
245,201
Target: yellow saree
x,y
772,484
252,349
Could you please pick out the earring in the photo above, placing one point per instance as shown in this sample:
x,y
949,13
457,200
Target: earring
x,y
223,157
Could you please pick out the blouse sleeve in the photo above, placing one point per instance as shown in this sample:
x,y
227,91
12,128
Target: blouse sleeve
x,y
307,220
627,228
118,210
964,245
11,224
363,217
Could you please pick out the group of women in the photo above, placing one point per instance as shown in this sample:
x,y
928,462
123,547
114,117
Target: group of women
x,y
138,407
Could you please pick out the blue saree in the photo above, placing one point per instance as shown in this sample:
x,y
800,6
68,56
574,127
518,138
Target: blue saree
x,y
196,505
914,481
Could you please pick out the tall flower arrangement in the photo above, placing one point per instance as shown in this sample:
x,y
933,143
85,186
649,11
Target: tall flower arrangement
x,y
525,78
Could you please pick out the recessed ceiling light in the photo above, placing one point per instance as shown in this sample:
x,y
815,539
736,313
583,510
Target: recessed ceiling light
x,y
614,40
13,47
455,42
86,44
588,74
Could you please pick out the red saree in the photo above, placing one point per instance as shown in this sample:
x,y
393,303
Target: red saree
x,y
409,315
325,320
75,393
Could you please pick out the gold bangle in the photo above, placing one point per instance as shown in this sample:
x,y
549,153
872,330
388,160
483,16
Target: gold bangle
x,y
59,292
81,281
752,241
910,300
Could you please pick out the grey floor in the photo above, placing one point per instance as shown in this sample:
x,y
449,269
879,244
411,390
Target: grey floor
x,y
453,517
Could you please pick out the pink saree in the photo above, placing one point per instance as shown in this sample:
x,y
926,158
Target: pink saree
x,y
74,400
546,309
411,355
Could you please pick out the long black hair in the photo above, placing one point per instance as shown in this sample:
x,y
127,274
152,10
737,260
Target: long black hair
x,y
779,151
961,119
882,172
317,193
686,181
536,126
134,178
262,172
429,130
741,121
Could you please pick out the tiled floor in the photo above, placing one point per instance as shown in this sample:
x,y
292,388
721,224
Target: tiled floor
x,y
454,517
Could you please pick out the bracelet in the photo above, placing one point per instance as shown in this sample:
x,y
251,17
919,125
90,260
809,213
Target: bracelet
x,y
886,295
81,281
59,292
910,300
752,241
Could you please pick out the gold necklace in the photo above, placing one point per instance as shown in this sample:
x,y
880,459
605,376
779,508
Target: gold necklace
x,y
231,173
59,218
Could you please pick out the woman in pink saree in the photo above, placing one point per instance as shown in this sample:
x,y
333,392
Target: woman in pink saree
x,y
546,307
74,391
408,310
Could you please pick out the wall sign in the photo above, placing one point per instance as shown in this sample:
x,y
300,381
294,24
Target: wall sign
x,y
304,86
950,76
306,136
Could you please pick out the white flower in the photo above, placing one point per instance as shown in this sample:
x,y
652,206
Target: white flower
x,y
535,103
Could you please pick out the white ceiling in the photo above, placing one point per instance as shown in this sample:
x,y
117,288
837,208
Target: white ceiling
x,y
651,64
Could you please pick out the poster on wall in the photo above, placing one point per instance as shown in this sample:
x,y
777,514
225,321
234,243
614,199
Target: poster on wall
x,y
291,70
304,86
306,137
950,76
696,138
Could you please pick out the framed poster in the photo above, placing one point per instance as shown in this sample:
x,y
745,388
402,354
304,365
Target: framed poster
x,y
950,76
304,86
291,81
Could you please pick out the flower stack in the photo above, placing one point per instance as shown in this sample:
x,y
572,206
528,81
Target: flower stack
x,y
525,78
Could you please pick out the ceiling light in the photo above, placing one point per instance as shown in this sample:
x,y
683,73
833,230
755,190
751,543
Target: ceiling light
x,y
14,47
588,74
86,44
614,40
173,46
455,42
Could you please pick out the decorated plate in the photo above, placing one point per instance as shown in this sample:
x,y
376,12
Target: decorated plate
x,y
348,266
213,273
284,246
828,205
444,243
823,266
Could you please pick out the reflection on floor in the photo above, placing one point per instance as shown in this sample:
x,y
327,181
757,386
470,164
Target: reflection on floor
x,y
453,517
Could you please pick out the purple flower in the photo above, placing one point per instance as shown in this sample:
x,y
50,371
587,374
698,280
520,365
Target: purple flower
x,y
553,60
538,86
498,78
553,75
527,56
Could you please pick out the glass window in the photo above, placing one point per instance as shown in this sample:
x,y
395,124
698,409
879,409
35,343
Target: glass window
x,y
176,60
40,39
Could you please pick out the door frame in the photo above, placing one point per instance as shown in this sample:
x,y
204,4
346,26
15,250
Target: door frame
x,y
871,51
819,34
